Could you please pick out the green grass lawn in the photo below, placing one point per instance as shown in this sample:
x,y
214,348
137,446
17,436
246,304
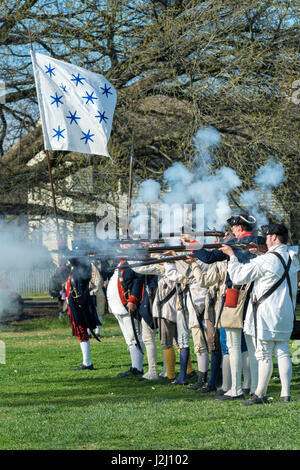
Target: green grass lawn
x,y
37,295
45,405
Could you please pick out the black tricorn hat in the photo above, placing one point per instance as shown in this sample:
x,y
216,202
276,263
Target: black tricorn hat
x,y
274,229
241,219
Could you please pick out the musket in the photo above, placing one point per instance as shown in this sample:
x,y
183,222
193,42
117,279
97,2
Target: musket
x,y
102,255
136,337
170,259
209,246
163,237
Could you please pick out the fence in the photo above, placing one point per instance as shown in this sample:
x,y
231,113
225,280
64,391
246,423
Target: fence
x,y
34,281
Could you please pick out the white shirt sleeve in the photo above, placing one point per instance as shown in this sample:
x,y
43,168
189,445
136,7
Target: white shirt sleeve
x,y
243,273
172,273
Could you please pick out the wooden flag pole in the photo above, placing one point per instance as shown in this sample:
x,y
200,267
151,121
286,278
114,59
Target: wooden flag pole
x,y
52,188
130,185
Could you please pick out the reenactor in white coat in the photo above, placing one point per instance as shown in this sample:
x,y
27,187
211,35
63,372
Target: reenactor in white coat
x,y
270,315
190,307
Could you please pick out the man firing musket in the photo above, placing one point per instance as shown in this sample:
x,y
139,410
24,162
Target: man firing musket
x,y
189,251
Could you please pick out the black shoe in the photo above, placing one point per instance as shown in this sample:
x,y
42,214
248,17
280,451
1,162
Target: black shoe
x,y
83,367
130,372
196,387
218,393
191,375
255,400
166,380
246,391
230,398
285,399
176,382
207,389
200,382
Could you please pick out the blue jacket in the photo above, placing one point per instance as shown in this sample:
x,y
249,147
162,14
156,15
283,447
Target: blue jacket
x,y
244,256
145,308
83,308
132,282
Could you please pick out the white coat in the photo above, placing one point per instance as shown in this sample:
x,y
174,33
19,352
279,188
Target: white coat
x,y
276,313
179,272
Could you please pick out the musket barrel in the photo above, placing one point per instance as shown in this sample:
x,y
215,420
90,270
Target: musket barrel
x,y
170,259
163,237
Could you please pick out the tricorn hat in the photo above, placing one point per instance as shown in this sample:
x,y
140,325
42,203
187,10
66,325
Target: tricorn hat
x,y
241,219
274,229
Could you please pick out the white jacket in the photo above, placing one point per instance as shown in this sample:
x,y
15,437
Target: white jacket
x,y
179,273
275,314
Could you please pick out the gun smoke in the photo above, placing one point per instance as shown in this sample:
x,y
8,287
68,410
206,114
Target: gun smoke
x,y
18,255
202,185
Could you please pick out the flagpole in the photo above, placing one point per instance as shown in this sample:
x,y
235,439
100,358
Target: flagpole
x,y
130,184
58,236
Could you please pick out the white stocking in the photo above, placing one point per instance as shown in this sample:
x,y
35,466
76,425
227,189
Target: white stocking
x,y
86,349
150,344
246,369
233,341
136,357
226,373
203,362
282,354
253,362
265,366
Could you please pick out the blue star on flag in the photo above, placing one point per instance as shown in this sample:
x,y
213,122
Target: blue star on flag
x,y
58,133
101,116
64,88
50,70
87,136
73,117
77,79
89,98
56,99
106,91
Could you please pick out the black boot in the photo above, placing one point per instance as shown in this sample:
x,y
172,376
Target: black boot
x,y
202,376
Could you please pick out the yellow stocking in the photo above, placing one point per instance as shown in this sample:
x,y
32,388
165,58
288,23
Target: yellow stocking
x,y
170,360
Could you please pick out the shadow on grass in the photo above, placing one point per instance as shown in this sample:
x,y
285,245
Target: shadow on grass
x,y
91,389
86,391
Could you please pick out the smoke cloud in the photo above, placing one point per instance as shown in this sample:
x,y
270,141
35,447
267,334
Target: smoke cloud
x,y
267,178
17,255
198,185
202,185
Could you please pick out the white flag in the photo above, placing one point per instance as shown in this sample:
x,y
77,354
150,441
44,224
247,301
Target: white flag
x,y
76,106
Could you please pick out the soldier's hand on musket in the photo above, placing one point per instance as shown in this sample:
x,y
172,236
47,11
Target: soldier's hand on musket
x,y
131,307
169,253
255,249
189,259
228,236
227,250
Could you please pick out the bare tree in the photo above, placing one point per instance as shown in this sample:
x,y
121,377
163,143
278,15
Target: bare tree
x,y
177,66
